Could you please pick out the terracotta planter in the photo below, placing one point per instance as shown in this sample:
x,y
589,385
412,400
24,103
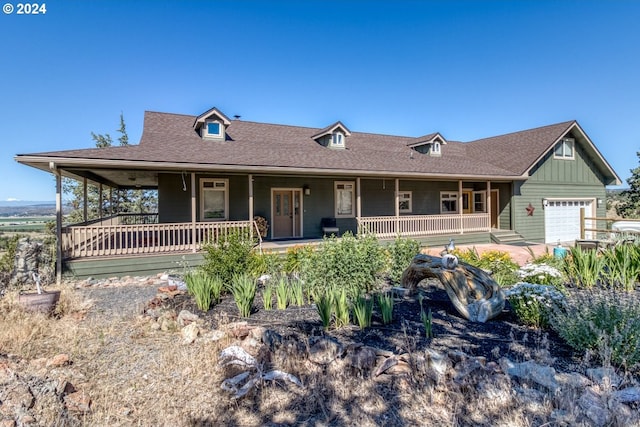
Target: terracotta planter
x,y
43,303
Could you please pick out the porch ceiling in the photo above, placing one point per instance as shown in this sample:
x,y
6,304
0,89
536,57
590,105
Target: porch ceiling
x,y
119,178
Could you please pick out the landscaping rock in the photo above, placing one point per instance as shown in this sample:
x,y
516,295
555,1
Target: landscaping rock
x,y
190,333
186,317
324,350
531,371
362,358
78,402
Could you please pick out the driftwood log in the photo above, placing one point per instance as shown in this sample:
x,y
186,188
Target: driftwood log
x,y
473,292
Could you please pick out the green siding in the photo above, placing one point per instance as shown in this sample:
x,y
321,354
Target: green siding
x,y
556,178
174,203
138,265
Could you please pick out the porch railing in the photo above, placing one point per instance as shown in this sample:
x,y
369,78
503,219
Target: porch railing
x,y
129,239
121,218
423,225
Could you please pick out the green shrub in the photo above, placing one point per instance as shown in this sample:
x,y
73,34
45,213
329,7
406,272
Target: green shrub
x,y
502,267
243,288
270,263
622,266
401,252
294,258
230,256
606,322
349,263
206,289
341,307
282,293
9,244
267,297
533,303
296,294
324,305
584,267
362,311
427,319
385,301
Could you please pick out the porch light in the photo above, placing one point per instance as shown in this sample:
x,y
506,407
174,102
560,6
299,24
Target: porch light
x,y
545,203
307,190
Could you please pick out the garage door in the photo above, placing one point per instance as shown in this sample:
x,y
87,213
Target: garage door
x,y
562,219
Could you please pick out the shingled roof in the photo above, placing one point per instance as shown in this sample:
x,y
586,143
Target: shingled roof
x,y
170,141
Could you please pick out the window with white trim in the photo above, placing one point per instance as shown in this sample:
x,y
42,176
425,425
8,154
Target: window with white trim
x,y
479,201
404,201
337,140
213,129
344,199
448,202
436,149
565,149
214,199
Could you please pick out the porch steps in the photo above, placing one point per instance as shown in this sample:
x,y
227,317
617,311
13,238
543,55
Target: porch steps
x,y
506,237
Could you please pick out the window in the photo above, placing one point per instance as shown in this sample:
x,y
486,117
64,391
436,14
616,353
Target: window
x,y
564,149
213,129
404,201
337,139
435,149
448,202
479,204
344,199
214,199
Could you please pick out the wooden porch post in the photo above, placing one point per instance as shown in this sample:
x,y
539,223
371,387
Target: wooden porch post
x,y
58,227
489,202
397,209
100,202
358,203
84,204
460,209
110,201
251,199
193,211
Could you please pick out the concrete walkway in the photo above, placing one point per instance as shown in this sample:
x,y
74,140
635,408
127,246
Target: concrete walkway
x,y
520,254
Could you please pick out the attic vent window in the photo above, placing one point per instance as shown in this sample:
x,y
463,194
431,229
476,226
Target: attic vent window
x,y
435,149
565,149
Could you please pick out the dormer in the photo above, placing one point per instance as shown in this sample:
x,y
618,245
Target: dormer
x,y
333,136
429,144
212,125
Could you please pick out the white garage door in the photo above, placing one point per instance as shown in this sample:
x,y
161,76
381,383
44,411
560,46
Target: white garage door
x,y
562,219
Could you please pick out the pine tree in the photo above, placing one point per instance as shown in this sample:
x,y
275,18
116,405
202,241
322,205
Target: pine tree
x,y
630,206
123,201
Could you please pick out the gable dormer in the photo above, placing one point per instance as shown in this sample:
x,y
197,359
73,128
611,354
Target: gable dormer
x,y
212,125
429,144
333,136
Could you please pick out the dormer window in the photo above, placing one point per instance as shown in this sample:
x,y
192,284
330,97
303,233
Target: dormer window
x,y
213,129
337,139
435,149
212,125
333,136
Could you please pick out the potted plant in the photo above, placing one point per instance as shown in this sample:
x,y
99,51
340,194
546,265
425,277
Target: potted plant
x,y
40,301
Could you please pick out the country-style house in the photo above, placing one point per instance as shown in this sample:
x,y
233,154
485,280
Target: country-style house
x,y
213,174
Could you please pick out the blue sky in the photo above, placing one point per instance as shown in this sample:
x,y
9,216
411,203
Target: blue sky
x,y
467,69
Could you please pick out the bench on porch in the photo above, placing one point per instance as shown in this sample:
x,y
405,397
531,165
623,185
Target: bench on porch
x,y
329,226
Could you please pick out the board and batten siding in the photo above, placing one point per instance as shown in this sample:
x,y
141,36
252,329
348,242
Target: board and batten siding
x,y
555,178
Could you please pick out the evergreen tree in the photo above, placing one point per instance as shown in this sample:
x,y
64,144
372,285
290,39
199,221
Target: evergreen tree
x,y
116,201
630,205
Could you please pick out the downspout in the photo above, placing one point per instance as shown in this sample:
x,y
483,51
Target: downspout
x,y
193,212
58,175
251,203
